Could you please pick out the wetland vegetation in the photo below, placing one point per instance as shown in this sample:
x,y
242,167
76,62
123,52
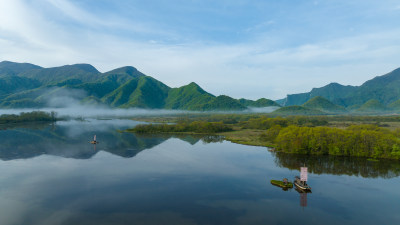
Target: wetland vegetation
x,y
361,136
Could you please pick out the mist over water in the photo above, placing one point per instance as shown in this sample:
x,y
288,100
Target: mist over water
x,y
85,111
92,112
268,109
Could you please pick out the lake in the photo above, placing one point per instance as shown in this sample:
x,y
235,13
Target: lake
x,y
50,174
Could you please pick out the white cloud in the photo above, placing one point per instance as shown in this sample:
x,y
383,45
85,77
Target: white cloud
x,y
75,12
253,69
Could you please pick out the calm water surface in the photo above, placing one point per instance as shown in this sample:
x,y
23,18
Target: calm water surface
x,y
50,174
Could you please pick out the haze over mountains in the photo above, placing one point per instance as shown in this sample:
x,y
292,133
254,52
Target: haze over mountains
x,y
24,85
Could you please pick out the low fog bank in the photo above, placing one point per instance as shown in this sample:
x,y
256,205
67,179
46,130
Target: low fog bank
x,y
80,111
268,109
94,112
68,102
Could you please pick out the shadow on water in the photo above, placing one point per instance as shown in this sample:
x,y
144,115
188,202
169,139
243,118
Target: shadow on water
x,y
352,166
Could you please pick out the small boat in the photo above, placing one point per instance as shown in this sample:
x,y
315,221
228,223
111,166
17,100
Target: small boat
x,y
301,182
94,140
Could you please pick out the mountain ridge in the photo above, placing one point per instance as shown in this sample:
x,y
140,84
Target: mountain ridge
x,y
29,85
384,88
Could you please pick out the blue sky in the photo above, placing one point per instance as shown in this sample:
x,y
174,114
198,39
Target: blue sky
x,y
240,48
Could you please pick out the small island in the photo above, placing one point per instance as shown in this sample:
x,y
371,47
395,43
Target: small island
x,y
24,117
282,183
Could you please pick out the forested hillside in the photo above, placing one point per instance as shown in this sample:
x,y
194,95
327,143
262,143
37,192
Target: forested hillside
x,y
24,85
385,89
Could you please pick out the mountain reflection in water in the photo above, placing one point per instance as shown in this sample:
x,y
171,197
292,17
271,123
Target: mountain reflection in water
x,y
70,139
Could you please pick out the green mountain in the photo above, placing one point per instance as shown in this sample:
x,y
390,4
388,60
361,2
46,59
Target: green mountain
x,y
262,102
11,84
148,93
11,68
123,74
77,73
385,88
221,102
296,110
324,105
187,97
372,105
27,85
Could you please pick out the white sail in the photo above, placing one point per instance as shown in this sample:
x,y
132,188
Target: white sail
x,y
303,174
94,138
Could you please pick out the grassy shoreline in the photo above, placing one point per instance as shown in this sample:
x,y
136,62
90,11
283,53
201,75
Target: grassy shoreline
x,y
246,137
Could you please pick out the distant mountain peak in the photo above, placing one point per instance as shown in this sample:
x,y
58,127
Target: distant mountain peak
x,y
262,102
384,79
14,68
190,96
126,70
85,67
10,63
334,86
384,88
195,86
222,102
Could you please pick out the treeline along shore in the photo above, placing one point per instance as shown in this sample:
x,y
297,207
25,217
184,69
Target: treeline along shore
x,y
23,117
372,137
